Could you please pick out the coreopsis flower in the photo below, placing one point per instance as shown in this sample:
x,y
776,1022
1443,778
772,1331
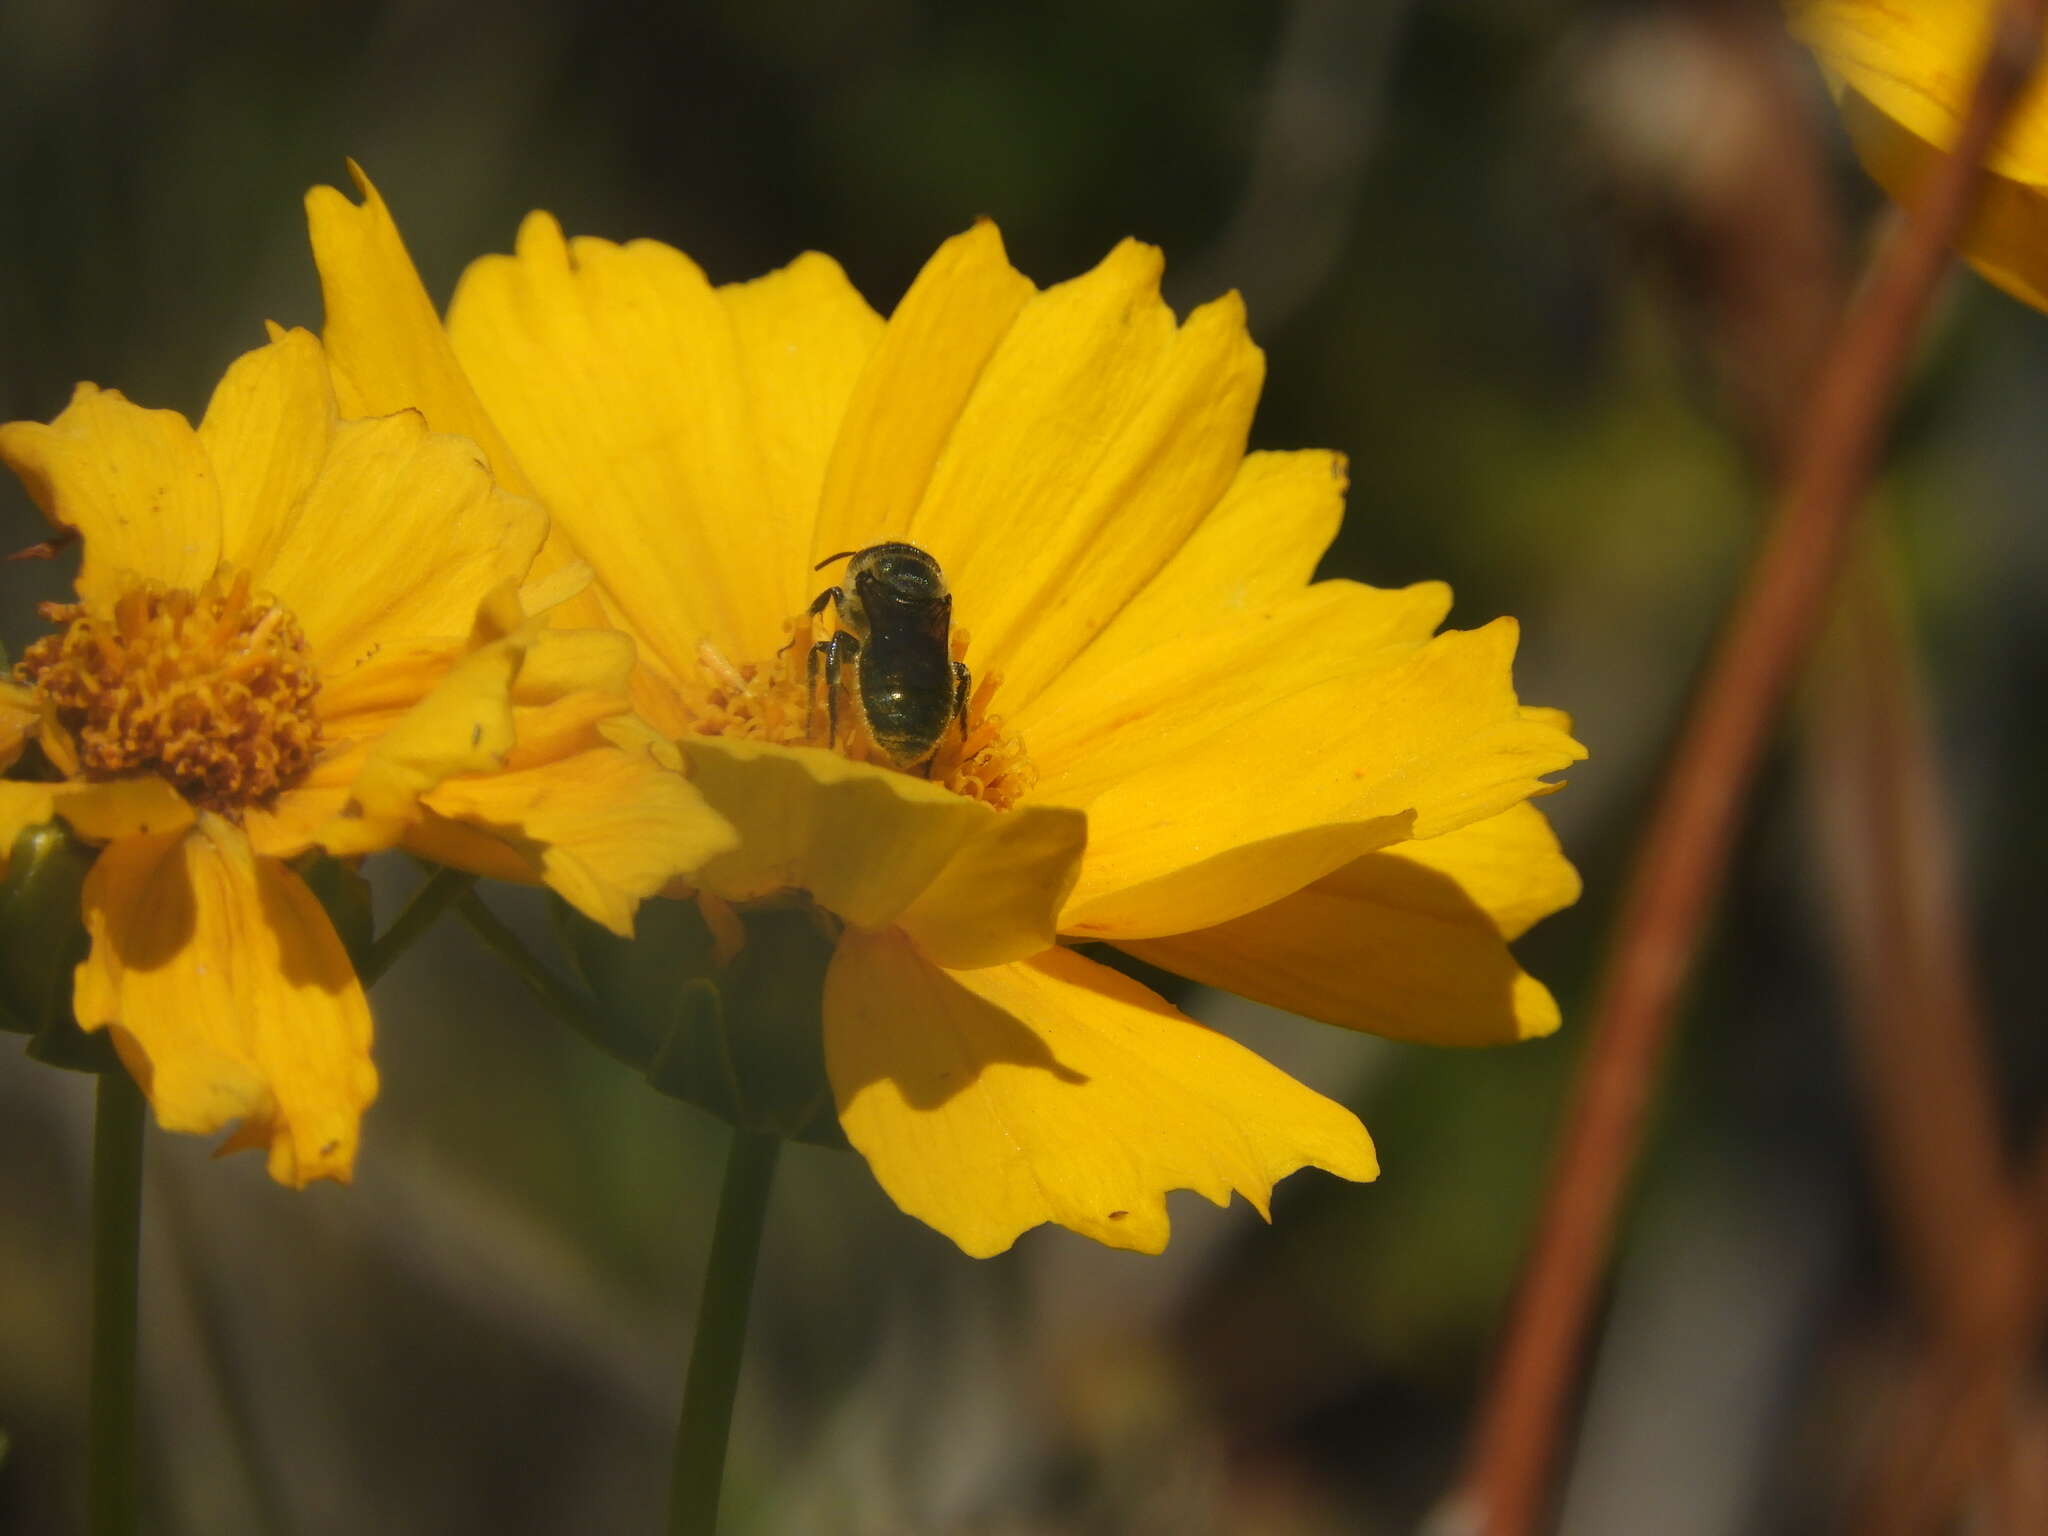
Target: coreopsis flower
x,y
1172,741
1902,75
296,631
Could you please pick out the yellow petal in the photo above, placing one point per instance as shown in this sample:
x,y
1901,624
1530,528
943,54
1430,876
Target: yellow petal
x,y
1309,780
22,805
398,540
1056,1090
868,843
908,399
121,807
1097,437
459,845
562,662
464,726
19,717
266,432
805,337
1916,64
230,996
386,342
369,699
619,373
1257,548
1409,942
1092,734
999,898
295,823
1545,714
1906,72
605,828
135,483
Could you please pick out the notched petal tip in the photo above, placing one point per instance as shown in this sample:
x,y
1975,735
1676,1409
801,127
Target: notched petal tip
x,y
135,483
1056,1090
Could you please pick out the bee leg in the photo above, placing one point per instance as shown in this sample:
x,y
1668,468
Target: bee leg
x,y
963,689
823,651
824,599
835,652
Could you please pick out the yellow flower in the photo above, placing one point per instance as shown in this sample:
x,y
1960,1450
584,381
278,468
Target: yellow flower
x,y
1291,790
1903,71
297,631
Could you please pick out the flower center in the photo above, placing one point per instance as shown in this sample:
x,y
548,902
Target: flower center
x,y
776,701
212,690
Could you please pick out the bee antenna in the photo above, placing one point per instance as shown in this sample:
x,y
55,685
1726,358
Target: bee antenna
x,y
830,558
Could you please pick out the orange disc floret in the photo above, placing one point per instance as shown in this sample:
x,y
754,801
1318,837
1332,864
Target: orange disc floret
x,y
779,701
211,690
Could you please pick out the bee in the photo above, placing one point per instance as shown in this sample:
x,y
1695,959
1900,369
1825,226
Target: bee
x,y
895,628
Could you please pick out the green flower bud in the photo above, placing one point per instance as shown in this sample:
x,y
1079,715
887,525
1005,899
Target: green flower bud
x,y
42,939
742,1037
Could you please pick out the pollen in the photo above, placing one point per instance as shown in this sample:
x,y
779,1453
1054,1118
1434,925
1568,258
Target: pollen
x,y
212,690
776,701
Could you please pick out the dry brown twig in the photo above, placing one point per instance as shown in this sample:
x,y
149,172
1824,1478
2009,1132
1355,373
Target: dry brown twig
x,y
1969,1234
1684,852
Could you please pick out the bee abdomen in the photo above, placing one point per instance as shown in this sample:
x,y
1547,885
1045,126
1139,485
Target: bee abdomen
x,y
906,721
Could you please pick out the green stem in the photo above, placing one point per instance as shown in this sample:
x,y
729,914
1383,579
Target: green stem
x,y
436,894
614,1037
116,1251
698,1471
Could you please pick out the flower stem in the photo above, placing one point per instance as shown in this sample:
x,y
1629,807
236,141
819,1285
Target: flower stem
x,y
436,894
698,1470
116,1245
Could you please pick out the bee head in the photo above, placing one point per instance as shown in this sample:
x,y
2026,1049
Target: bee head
x,y
906,572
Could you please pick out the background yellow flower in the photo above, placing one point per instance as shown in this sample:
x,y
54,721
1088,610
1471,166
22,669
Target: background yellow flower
x,y
1903,73
1243,745
294,632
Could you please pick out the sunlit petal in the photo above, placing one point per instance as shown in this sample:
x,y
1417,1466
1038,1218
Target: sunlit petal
x,y
867,844
604,829
1256,549
435,536
1055,1089
135,483
917,380
621,374
266,432
388,349
1409,942
230,997
1413,749
1097,438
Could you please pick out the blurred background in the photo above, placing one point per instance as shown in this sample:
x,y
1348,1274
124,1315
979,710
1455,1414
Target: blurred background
x,y
1552,275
